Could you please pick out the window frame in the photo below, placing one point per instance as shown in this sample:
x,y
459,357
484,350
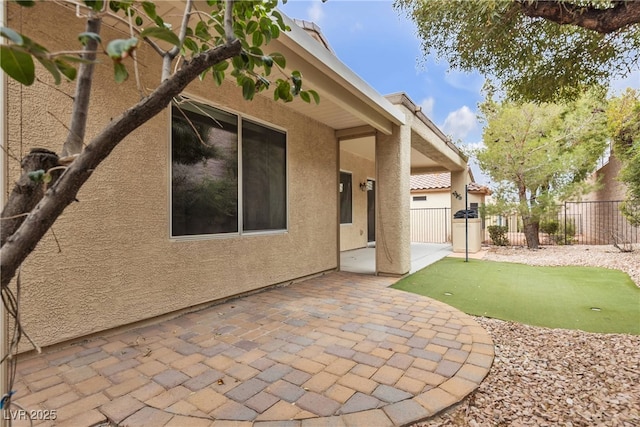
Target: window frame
x,y
240,117
350,222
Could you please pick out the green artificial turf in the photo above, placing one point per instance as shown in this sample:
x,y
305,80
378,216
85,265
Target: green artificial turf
x,y
586,298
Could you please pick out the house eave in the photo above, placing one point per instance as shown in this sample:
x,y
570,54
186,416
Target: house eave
x,y
324,72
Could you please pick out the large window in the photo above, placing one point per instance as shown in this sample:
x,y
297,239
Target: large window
x,y
218,161
346,198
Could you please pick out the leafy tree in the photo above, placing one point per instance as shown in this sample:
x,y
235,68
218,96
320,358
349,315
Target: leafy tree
x,y
538,50
215,38
540,154
623,113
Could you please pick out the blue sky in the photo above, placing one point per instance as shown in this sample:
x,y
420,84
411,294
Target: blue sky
x,y
380,45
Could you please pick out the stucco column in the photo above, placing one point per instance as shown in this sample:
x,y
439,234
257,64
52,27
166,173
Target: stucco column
x,y
393,168
458,180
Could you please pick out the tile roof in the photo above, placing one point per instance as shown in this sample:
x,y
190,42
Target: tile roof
x,y
441,181
430,181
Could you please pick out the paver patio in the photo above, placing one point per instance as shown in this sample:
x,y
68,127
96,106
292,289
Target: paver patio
x,y
341,349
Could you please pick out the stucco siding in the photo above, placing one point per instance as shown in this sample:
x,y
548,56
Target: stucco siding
x,y
354,235
611,188
117,263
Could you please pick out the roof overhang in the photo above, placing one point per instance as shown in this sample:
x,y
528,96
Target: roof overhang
x,y
346,101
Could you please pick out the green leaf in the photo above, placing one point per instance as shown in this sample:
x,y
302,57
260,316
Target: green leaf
x,y
96,5
66,69
121,48
46,178
278,58
191,45
14,36
237,62
202,31
26,3
161,33
314,95
17,64
139,21
221,66
248,89
150,9
86,36
120,72
258,38
296,78
218,77
252,26
275,32
284,91
304,95
51,67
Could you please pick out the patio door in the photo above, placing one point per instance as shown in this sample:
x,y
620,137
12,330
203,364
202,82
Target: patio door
x,y
371,210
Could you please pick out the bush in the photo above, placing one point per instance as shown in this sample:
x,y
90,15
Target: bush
x,y
498,235
550,227
557,232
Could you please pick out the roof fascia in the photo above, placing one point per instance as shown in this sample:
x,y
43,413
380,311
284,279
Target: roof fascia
x,y
315,55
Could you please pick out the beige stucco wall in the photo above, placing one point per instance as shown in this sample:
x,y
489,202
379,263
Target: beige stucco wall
x,y
612,188
435,199
429,223
354,235
118,264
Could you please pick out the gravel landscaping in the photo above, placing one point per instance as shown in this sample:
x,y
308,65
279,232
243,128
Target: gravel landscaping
x,y
556,377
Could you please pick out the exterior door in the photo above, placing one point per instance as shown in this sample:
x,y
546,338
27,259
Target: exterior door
x,y
371,210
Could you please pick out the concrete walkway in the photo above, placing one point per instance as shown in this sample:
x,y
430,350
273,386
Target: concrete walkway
x,y
363,260
341,349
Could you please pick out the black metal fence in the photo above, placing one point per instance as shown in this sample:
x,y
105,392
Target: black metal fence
x,y
580,223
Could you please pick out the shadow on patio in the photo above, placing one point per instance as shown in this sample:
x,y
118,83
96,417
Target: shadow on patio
x,y
339,349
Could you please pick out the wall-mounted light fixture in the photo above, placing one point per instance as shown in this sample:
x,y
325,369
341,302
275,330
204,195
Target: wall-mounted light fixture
x,y
457,195
363,186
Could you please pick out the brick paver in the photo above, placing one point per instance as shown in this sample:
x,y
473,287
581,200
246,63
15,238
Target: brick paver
x,y
336,350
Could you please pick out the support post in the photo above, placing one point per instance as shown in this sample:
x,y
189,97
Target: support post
x,y
393,169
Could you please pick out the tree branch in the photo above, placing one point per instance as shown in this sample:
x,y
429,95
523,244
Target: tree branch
x,y
604,21
75,138
63,192
228,20
171,54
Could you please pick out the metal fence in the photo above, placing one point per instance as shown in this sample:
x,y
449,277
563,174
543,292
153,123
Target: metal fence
x,y
581,223
430,225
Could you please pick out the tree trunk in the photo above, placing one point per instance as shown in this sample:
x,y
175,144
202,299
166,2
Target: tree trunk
x,y
26,193
16,249
531,232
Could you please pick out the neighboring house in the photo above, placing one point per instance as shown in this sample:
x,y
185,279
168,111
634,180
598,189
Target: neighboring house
x,y
294,184
597,216
431,196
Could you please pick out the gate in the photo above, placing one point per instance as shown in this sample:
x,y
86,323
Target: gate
x,y
430,225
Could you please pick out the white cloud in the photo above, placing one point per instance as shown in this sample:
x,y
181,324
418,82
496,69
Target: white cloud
x,y
316,14
471,82
460,123
427,106
357,27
